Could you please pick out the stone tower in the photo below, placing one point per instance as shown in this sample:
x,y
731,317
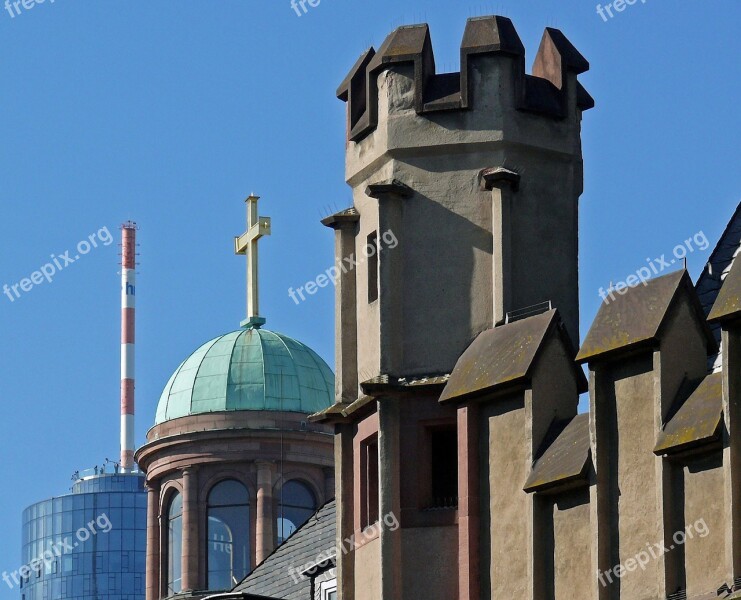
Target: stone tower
x,y
469,184
457,403
465,217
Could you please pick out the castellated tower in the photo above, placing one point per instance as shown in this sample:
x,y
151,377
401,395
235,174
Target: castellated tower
x,y
469,183
462,467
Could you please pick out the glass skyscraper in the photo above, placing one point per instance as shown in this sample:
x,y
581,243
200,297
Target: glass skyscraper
x,y
87,545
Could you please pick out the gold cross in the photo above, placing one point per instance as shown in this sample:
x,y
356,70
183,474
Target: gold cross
x,y
247,244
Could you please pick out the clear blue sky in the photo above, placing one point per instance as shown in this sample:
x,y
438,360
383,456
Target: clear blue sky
x,y
170,113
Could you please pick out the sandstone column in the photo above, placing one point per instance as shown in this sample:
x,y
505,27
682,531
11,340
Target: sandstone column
x,y
343,451
389,496
468,503
191,538
329,483
153,541
265,543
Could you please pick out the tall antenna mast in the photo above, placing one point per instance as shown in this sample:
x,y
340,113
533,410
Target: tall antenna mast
x,y
128,310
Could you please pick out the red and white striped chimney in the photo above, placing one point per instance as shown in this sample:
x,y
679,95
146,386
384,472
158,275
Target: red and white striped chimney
x,y
128,310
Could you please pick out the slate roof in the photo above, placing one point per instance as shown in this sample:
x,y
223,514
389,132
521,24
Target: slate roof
x,y
501,356
698,419
712,278
721,260
634,318
728,301
566,459
272,578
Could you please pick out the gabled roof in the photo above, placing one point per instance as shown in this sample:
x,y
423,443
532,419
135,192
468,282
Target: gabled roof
x,y
698,419
503,356
635,318
278,576
566,459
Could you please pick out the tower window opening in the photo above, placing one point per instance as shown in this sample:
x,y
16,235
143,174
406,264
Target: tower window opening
x,y
371,251
369,483
444,467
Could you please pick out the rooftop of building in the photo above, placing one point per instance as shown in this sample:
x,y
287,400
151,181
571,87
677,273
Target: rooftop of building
x,y
251,369
280,575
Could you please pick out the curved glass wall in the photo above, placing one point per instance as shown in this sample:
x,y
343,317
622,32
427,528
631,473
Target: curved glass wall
x,y
88,545
175,545
228,543
296,504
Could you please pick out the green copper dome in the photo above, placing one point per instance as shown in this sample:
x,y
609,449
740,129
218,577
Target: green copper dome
x,y
249,369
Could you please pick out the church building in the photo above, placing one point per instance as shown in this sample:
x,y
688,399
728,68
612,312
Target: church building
x,y
233,465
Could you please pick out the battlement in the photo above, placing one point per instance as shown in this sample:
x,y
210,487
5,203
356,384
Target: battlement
x,y
550,91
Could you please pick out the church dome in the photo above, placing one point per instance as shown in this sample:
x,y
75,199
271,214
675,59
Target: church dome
x,y
250,369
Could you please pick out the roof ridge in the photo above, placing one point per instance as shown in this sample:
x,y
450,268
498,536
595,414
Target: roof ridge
x,y
262,362
231,360
295,372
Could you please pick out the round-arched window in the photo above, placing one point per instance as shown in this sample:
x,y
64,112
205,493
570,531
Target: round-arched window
x,y
296,504
175,545
228,544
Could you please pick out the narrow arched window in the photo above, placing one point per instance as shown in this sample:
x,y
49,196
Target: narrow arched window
x,y
296,504
228,544
175,545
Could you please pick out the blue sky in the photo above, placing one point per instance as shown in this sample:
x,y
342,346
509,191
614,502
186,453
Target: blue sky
x,y
171,113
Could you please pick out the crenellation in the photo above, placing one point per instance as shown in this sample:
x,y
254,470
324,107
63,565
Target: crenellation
x,y
552,91
560,63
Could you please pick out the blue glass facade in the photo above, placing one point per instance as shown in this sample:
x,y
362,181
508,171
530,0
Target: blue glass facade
x,y
87,545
